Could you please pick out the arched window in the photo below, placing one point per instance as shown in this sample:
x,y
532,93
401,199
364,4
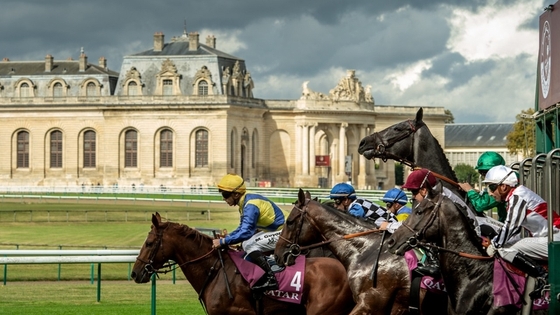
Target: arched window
x,y
133,88
89,149
56,149
167,87
201,148
57,90
166,148
202,88
23,149
131,149
24,90
91,89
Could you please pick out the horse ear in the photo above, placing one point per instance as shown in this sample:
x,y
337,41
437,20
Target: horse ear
x,y
307,194
156,219
419,115
301,197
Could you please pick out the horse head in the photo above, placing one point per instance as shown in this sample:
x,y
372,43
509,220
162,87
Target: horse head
x,y
153,255
394,142
298,230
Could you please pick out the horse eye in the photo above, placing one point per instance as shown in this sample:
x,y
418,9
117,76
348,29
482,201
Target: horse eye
x,y
149,244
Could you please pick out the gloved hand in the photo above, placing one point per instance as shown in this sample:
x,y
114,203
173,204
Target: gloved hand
x,y
491,250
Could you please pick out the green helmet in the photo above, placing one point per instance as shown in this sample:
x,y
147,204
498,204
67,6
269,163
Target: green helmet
x,y
488,160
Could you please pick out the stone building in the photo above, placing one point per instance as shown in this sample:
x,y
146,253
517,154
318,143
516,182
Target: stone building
x,y
183,113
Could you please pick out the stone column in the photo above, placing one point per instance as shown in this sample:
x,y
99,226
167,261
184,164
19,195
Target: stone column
x,y
305,150
312,149
342,149
362,172
297,160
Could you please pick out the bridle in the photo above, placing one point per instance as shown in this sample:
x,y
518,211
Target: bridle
x,y
149,268
414,240
294,249
381,149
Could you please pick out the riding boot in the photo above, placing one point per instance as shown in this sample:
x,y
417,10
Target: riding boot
x,y
533,269
268,281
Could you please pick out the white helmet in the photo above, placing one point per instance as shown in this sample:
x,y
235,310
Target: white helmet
x,y
501,174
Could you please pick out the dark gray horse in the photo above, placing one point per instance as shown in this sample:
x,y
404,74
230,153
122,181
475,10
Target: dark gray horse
x,y
466,269
356,243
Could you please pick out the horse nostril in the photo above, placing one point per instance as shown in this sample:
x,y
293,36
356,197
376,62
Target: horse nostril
x,y
391,243
133,275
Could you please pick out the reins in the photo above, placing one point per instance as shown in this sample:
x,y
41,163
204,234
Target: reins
x,y
326,242
414,242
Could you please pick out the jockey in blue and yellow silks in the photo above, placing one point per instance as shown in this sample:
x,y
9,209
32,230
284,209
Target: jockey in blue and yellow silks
x,y
256,213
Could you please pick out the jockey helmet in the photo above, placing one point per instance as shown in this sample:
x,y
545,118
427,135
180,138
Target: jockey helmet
x,y
420,178
395,195
488,160
232,183
343,190
501,175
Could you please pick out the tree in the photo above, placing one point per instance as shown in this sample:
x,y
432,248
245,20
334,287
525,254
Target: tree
x,y
450,119
522,137
399,174
466,174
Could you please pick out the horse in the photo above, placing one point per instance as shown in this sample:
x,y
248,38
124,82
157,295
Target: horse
x,y
466,268
411,143
310,222
213,275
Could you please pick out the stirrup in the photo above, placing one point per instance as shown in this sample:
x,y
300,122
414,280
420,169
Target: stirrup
x,y
269,284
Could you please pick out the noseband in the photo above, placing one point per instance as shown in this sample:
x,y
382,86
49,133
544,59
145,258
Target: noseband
x,y
381,149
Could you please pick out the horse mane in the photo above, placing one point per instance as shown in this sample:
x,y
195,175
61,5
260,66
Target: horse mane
x,y
346,217
186,231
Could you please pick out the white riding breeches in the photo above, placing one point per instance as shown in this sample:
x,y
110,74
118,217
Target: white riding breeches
x,y
534,247
262,241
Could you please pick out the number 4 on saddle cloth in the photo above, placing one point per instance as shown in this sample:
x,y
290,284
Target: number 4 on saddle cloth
x,y
290,279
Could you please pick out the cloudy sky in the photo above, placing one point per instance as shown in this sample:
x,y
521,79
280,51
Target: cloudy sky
x,y
476,58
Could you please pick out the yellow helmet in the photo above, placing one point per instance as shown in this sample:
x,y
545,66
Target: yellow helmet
x,y
232,183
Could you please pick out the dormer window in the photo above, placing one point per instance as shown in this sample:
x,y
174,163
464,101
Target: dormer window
x,y
203,88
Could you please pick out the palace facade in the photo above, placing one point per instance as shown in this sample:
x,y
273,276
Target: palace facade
x,y
183,113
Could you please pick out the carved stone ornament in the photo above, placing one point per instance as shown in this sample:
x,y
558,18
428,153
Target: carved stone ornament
x,y
308,94
348,88
133,75
168,67
203,73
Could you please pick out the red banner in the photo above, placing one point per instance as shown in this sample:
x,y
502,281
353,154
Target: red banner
x,y
549,57
322,160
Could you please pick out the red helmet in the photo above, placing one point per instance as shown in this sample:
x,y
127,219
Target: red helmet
x,y
420,179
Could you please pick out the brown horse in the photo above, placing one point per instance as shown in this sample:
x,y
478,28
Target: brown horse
x,y
466,269
310,222
325,290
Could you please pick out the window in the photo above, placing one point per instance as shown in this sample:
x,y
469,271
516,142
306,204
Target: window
x,y
203,88
201,148
57,90
89,149
167,87
166,149
56,149
91,89
232,150
132,88
131,149
23,149
24,90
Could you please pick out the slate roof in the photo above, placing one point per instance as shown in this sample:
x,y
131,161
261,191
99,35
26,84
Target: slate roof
x,y
181,48
477,135
64,67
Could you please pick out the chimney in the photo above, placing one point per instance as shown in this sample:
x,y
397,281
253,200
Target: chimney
x,y
83,62
158,41
193,41
103,62
211,41
48,63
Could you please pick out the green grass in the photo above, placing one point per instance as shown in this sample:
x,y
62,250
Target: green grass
x,y
35,289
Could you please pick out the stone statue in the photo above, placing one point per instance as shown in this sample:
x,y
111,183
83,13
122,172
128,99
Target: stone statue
x,y
226,81
368,96
308,94
248,85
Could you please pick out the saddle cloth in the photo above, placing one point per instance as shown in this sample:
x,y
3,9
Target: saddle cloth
x,y
290,280
428,282
507,292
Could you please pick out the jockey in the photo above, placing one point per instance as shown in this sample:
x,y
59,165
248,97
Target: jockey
x,y
395,199
525,210
257,212
345,200
482,201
